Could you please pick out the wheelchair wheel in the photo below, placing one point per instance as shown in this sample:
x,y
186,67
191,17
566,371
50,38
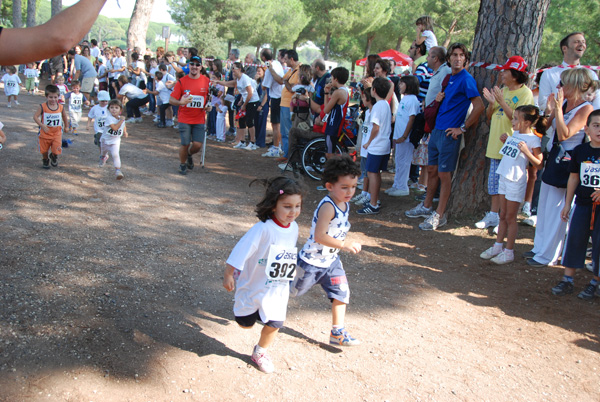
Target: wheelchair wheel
x,y
313,157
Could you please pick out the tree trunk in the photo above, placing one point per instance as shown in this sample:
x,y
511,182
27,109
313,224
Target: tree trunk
x,y
370,37
327,43
504,28
138,26
17,17
229,44
450,32
399,42
31,7
56,7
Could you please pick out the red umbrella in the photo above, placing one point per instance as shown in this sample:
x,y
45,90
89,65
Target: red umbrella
x,y
400,58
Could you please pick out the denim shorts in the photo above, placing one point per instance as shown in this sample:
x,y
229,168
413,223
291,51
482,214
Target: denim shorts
x,y
191,133
443,150
332,279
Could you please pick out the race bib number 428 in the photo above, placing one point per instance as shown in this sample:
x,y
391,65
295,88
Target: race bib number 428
x,y
281,263
589,174
511,148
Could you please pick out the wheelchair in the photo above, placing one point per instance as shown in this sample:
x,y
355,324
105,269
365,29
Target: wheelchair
x,y
309,154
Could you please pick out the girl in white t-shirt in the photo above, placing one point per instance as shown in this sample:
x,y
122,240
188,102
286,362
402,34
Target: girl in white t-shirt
x,y
407,110
263,263
114,129
12,85
520,149
363,136
425,32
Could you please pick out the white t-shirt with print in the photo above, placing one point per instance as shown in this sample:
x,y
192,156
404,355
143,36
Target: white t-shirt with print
x,y
255,291
110,136
408,106
98,113
513,165
11,84
382,116
242,84
430,39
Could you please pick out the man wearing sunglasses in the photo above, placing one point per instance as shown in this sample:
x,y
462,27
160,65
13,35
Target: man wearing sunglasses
x,y
190,93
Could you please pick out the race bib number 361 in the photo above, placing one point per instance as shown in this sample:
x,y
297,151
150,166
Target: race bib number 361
x,y
281,263
589,174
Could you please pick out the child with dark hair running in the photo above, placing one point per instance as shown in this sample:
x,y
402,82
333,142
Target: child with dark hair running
x,y
520,149
51,117
262,264
319,258
584,183
114,129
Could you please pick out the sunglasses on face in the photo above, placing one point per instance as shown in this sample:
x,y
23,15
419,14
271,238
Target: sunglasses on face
x,y
560,84
195,64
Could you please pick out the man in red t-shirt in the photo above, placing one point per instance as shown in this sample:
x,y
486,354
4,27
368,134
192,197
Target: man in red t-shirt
x,y
190,93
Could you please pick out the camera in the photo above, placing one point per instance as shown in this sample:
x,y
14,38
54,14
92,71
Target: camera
x,y
213,90
301,91
268,64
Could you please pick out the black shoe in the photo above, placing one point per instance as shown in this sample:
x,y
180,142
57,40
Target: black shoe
x,y
53,160
588,293
528,254
183,169
563,288
534,263
190,162
46,163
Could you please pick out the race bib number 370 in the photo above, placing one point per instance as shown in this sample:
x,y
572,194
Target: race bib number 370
x,y
281,263
589,174
197,102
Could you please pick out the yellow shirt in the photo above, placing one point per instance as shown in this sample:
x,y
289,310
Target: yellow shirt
x,y
293,79
502,124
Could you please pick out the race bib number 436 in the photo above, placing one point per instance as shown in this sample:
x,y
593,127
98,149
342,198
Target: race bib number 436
x,y
589,174
281,263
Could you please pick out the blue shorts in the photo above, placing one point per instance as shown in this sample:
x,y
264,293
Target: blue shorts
x,y
191,133
250,320
332,279
377,163
493,177
443,150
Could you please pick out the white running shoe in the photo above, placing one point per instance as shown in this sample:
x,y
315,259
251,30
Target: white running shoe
x,y
250,147
502,258
273,152
526,209
362,199
490,253
531,221
490,219
239,145
396,192
263,361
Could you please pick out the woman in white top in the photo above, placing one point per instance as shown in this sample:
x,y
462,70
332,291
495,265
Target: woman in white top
x,y
247,111
135,98
568,124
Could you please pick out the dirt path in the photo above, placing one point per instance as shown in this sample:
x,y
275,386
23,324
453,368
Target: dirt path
x,y
112,291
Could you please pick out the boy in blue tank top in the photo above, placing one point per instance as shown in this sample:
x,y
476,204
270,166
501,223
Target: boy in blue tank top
x,y
319,258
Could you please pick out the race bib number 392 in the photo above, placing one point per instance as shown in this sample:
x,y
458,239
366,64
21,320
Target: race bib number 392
x,y
589,174
281,263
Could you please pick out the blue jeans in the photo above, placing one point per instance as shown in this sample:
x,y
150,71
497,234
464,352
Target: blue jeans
x,y
286,125
577,238
152,105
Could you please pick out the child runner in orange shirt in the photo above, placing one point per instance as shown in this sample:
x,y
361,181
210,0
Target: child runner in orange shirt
x,y
51,116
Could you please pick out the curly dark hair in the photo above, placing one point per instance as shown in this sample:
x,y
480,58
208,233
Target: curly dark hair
x,y
276,187
338,166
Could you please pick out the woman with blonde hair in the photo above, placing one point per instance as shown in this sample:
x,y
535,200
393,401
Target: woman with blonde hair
x,y
568,111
